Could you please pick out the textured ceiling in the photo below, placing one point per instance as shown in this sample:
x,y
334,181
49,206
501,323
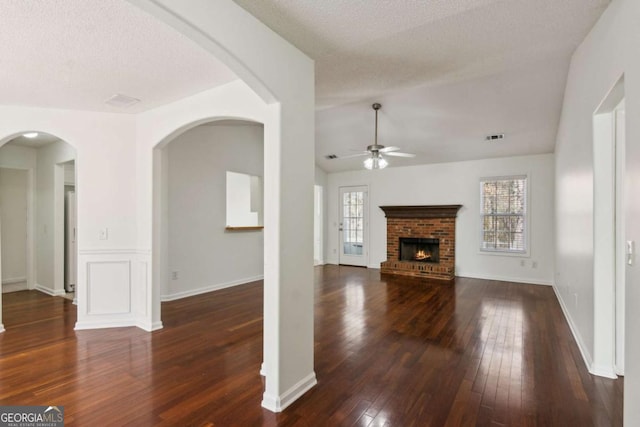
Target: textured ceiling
x,y
448,72
364,49
77,53
448,123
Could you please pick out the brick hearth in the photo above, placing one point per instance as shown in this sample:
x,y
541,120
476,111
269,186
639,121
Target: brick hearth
x,y
435,222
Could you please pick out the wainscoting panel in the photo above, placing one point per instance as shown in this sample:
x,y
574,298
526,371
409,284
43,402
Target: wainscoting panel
x,y
113,289
109,287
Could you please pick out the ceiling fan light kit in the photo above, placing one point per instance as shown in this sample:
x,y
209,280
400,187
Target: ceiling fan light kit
x,y
375,162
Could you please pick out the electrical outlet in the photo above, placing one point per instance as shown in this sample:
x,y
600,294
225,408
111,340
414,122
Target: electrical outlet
x,y
521,263
575,300
335,251
174,275
534,264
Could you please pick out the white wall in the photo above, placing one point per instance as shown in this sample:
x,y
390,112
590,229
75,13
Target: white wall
x,y
17,157
458,183
49,237
13,216
206,256
609,51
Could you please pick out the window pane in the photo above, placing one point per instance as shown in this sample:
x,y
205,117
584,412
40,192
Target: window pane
x,y
503,208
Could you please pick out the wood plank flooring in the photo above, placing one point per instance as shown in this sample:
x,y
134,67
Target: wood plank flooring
x,y
389,352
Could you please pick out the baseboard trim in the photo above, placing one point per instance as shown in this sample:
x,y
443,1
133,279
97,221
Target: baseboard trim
x,y
603,371
586,356
335,262
280,403
49,291
1,328
216,287
124,322
13,280
505,279
150,327
104,324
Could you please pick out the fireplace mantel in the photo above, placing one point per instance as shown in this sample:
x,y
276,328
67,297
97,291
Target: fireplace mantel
x,y
426,211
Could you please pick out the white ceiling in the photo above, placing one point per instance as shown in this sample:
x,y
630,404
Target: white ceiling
x,y
447,72
78,53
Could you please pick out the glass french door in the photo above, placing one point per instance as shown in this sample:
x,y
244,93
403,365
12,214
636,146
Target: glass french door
x,y
353,226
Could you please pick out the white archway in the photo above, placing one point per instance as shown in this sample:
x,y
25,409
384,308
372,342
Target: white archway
x,y
282,79
161,282
48,212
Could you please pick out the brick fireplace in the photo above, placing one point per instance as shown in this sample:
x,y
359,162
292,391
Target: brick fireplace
x,y
421,241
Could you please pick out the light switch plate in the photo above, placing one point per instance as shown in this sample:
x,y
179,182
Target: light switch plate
x,y
104,234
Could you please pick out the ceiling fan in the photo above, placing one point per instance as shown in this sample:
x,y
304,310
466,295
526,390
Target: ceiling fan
x,y
374,152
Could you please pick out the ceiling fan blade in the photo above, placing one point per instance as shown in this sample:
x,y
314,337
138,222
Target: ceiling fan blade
x,y
389,149
398,154
348,156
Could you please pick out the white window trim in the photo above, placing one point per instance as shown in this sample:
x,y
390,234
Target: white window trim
x,y
527,221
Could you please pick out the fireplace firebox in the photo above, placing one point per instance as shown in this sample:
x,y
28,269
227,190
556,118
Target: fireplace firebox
x,y
419,250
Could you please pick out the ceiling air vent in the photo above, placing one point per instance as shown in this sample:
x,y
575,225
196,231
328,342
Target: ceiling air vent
x,y
120,100
495,137
330,156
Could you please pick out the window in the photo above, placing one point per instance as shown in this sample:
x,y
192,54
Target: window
x,y
503,212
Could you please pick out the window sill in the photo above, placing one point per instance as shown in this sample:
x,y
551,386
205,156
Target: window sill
x,y
248,228
507,254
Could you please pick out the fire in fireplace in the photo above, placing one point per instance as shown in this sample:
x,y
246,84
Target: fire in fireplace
x,y
419,250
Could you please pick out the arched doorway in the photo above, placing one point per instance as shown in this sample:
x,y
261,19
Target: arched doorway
x,y
38,245
196,249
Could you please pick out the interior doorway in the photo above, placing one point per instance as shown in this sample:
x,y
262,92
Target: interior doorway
x,y
619,118
70,229
318,207
14,184
609,236
207,195
48,163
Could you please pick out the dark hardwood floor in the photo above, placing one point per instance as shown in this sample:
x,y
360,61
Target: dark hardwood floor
x,y
389,352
